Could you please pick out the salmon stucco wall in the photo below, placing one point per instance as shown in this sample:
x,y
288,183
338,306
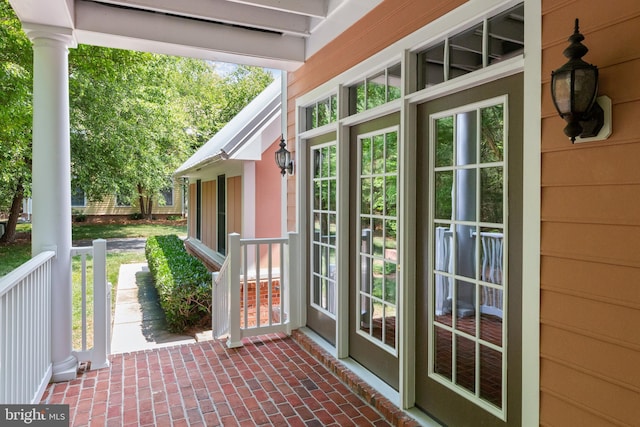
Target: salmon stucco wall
x,y
590,238
268,199
234,205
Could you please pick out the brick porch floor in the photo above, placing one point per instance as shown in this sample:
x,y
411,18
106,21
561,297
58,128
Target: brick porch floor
x,y
272,380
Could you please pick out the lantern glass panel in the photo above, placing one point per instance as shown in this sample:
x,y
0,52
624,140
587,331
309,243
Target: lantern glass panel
x,y
584,89
562,91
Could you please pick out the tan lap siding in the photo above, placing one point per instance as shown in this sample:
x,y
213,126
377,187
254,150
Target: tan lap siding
x,y
208,235
590,242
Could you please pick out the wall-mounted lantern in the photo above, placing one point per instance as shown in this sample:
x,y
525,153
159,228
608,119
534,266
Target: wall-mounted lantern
x,y
574,88
283,158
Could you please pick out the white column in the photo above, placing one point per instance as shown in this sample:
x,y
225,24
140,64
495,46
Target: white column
x,y
51,223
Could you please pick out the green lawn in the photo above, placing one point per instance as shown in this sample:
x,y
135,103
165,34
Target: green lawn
x,y
16,254
82,231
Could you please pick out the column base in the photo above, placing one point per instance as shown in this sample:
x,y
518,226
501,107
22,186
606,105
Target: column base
x,y
65,371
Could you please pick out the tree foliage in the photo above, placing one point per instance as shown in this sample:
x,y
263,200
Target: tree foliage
x,y
16,70
135,116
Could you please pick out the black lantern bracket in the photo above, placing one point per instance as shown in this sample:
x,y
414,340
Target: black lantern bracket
x,y
600,128
283,158
574,90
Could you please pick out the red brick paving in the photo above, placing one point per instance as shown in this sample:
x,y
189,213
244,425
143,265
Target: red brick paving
x,y
272,380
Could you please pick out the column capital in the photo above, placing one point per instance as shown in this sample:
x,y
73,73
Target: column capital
x,y
50,32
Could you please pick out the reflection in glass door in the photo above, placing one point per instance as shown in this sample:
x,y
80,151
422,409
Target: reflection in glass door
x,y
323,239
468,203
378,249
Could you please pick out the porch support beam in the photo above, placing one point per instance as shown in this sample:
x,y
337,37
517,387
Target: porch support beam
x,y
51,223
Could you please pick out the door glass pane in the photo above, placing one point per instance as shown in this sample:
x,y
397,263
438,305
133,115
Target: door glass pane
x,y
465,307
491,381
390,325
469,247
443,193
492,134
491,199
378,230
443,353
491,255
390,284
377,321
391,152
379,158
466,363
324,228
365,195
444,141
365,156
491,317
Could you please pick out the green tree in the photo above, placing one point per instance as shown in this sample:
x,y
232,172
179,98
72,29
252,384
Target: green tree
x,y
136,116
16,70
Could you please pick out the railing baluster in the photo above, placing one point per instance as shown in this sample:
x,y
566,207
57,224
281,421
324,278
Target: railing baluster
x,y
257,285
101,306
233,283
83,290
270,284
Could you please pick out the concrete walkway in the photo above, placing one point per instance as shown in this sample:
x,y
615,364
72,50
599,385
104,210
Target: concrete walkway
x,y
129,244
139,321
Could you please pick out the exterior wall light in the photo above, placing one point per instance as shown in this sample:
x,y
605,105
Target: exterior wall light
x,y
574,88
283,158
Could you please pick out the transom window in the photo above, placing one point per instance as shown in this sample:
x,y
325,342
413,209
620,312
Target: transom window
x,y
469,280
377,228
376,89
483,44
324,214
321,113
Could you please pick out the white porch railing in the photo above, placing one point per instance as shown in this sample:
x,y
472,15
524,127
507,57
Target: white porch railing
x,y
97,355
259,281
25,331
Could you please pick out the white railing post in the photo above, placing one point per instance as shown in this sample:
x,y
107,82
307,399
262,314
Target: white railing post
x,y
291,291
101,329
233,282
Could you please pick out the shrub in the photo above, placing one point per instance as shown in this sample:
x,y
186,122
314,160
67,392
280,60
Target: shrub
x,y
78,216
136,216
182,281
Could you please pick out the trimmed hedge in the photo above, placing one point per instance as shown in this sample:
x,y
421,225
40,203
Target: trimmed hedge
x,y
182,281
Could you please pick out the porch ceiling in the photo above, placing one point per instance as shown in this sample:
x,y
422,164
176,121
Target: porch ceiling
x,y
270,33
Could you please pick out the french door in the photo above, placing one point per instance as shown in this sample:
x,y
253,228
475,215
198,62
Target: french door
x,y
469,210
323,229
374,255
